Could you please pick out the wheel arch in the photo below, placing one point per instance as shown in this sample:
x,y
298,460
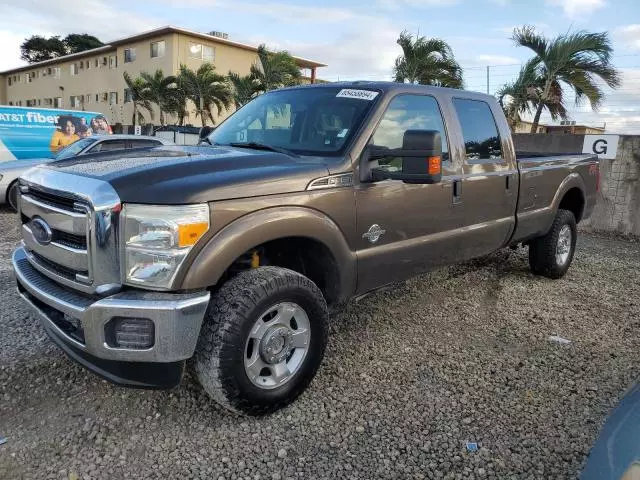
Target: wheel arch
x,y
303,230
571,196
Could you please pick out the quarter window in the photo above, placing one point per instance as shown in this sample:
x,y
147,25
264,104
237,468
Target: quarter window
x,y
479,130
409,112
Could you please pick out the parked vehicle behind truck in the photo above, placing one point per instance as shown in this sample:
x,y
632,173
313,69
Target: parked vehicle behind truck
x,y
229,256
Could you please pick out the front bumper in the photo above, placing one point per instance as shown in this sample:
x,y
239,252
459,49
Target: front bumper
x,y
76,323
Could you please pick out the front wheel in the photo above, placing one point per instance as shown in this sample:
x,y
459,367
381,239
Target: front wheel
x,y
262,340
551,254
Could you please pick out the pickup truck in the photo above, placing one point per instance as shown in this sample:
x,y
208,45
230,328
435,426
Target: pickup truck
x,y
227,258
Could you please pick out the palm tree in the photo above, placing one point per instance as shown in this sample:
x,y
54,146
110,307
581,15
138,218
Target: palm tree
x,y
177,102
274,70
574,60
427,61
207,90
525,94
244,88
139,98
159,89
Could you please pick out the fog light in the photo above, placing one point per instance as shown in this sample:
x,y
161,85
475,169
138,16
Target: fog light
x,y
131,333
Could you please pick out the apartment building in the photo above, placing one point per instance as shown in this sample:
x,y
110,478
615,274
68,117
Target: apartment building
x,y
93,80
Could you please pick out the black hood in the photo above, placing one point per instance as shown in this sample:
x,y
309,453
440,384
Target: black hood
x,y
183,174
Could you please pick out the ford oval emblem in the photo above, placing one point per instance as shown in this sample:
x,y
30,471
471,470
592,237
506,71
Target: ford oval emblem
x,y
41,231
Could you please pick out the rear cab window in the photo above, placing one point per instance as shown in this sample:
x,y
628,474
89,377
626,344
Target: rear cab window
x,y
479,130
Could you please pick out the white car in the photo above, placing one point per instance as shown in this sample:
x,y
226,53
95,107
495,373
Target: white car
x,y
11,171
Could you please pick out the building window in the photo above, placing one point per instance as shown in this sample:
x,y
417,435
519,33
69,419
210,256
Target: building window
x,y
27,78
88,65
87,98
39,102
129,55
157,49
96,63
9,81
75,101
113,98
74,69
128,95
57,102
11,104
56,72
97,97
208,53
195,50
113,61
105,97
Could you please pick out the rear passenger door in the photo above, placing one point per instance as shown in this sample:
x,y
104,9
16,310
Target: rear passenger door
x,y
488,194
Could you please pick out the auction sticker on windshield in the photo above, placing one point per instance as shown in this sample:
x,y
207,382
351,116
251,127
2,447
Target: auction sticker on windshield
x,y
360,94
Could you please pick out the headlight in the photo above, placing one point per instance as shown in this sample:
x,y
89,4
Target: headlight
x,y
157,239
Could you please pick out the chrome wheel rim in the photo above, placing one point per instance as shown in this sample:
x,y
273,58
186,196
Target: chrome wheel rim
x,y
277,345
563,247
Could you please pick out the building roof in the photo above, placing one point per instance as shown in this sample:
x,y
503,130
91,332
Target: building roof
x,y
302,62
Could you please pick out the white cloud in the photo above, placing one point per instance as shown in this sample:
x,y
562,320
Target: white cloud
x,y
629,35
496,60
286,12
397,4
620,111
576,9
366,51
22,19
10,54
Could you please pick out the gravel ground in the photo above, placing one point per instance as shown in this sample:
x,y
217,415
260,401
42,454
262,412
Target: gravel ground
x,y
410,375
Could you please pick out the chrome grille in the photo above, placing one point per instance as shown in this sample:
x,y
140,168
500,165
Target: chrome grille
x,y
80,245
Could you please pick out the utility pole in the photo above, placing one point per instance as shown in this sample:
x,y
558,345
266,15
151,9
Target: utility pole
x,y
488,79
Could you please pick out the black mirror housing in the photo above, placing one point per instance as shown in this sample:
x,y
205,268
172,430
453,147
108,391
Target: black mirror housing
x,y
421,155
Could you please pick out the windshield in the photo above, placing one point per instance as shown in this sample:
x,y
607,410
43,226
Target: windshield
x,y
306,121
74,149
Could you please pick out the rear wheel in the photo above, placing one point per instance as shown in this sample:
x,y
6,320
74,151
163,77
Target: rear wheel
x,y
12,196
262,341
551,254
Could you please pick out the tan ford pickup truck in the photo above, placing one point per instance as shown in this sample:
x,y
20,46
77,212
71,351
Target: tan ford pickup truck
x,y
228,257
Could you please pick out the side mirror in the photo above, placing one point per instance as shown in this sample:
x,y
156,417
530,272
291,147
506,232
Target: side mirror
x,y
418,161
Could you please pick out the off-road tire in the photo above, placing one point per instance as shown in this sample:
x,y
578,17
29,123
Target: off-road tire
x,y
219,357
542,250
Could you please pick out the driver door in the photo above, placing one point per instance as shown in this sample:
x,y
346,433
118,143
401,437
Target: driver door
x,y
404,229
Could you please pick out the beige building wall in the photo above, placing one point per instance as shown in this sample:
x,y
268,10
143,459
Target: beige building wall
x,y
101,86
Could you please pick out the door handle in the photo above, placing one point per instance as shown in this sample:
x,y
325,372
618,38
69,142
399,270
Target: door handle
x,y
457,191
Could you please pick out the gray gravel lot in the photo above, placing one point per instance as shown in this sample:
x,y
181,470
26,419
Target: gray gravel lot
x,y
410,375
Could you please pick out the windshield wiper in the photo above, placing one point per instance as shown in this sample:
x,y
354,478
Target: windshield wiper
x,y
262,146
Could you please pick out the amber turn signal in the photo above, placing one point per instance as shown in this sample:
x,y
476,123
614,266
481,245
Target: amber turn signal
x,y
434,165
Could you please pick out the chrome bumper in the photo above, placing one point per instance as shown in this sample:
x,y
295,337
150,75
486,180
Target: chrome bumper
x,y
177,317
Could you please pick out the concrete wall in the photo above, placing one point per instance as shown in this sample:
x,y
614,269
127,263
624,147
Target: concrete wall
x,y
618,205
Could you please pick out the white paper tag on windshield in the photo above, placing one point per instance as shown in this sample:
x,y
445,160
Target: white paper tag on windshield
x,y
360,94
343,133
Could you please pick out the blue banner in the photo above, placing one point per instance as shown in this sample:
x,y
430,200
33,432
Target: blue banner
x,y
27,133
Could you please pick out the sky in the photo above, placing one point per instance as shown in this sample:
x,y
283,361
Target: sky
x,y
357,38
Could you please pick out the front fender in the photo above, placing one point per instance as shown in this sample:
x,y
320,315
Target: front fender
x,y
262,226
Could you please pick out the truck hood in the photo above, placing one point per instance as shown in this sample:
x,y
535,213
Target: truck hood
x,y
172,175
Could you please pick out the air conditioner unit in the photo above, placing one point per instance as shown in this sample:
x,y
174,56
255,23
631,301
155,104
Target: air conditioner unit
x,y
219,34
